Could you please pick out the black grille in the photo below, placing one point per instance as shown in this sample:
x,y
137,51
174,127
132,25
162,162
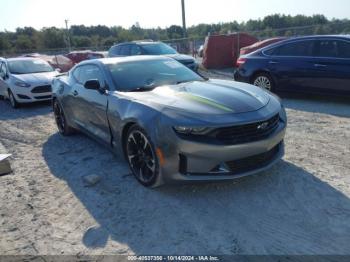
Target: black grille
x,y
42,97
182,164
41,89
253,162
247,133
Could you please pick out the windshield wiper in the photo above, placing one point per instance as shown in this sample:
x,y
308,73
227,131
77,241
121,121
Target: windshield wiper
x,y
41,72
188,81
184,81
142,89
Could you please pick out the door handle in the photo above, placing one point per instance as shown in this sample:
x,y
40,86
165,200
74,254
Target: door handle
x,y
75,93
273,62
319,65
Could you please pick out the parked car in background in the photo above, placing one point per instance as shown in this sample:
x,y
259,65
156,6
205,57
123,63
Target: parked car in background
x,y
170,123
313,64
249,49
25,80
64,64
79,56
151,48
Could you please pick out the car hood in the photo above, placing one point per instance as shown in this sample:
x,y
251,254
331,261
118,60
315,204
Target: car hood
x,y
209,97
181,58
37,78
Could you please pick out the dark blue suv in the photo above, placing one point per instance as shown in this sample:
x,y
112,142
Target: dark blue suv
x,y
151,48
313,64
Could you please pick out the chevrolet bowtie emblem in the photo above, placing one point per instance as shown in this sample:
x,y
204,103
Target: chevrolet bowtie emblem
x,y
263,126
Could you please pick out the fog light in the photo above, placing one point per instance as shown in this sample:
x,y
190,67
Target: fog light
x,y
222,168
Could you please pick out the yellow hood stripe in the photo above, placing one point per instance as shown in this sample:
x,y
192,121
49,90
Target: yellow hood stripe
x,y
206,101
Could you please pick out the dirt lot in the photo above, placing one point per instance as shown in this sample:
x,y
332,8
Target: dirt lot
x,y
300,206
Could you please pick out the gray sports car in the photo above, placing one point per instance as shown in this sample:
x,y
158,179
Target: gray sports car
x,y
170,123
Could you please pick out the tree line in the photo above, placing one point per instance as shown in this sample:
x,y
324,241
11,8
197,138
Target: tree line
x,y
28,39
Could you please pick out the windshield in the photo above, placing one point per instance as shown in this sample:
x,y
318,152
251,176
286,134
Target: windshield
x,y
158,49
148,74
29,66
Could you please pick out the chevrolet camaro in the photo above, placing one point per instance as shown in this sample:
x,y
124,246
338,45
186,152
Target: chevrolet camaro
x,y
170,123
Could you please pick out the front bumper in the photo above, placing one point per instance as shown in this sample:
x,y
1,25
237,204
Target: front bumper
x,y
194,161
27,95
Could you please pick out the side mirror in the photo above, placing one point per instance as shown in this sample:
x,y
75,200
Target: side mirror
x,y
92,84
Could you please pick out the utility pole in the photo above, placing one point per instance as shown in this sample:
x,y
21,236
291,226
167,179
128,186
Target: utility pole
x,y
183,19
67,35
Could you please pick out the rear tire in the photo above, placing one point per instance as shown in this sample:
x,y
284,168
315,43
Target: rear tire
x,y
264,81
61,121
13,100
141,156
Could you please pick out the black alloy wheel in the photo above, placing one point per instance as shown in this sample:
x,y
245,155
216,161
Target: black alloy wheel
x,y
142,157
60,119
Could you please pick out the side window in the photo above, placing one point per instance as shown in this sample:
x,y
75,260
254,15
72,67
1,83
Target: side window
x,y
3,69
343,49
2,72
300,48
76,74
327,48
114,50
4,66
89,72
125,50
135,50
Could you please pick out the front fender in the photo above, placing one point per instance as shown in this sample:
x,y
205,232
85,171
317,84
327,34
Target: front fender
x,y
123,112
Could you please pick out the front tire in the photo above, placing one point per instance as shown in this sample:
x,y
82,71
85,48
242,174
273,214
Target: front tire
x,y
264,81
61,121
13,100
141,156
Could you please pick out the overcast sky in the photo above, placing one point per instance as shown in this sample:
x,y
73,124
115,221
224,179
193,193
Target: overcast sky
x,y
154,13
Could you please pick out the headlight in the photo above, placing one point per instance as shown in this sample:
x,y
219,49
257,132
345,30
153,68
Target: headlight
x,y
191,130
22,84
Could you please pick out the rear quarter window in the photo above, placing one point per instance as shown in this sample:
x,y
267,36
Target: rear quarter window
x,y
343,49
114,51
269,52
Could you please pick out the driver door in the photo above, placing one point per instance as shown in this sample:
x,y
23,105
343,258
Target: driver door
x,y
92,104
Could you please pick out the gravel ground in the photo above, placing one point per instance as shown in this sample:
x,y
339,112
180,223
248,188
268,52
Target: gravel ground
x,y
300,206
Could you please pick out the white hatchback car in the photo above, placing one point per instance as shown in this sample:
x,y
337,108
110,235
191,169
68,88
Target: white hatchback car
x,y
25,80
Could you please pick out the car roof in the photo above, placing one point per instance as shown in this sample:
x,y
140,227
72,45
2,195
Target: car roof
x,y
292,39
24,59
319,37
310,37
123,59
141,42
